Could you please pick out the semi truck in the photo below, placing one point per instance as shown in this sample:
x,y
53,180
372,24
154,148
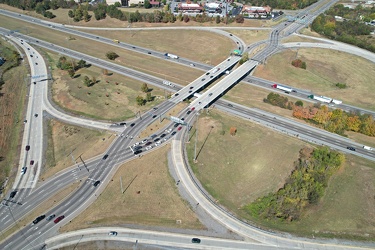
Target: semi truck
x,y
324,99
116,41
367,148
171,55
283,88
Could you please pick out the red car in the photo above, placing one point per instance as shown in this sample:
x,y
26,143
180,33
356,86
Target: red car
x,y
27,147
192,108
32,162
179,128
58,219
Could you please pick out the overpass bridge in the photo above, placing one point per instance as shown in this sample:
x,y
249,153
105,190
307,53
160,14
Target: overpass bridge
x,y
218,89
205,79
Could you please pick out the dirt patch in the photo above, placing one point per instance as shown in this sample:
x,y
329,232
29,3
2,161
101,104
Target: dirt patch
x,y
150,197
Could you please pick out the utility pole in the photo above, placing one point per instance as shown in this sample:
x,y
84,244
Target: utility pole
x,y
122,190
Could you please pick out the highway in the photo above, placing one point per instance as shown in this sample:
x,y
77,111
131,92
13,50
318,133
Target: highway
x,y
34,235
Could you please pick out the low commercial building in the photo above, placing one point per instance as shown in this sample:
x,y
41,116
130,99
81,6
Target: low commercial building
x,y
189,7
256,12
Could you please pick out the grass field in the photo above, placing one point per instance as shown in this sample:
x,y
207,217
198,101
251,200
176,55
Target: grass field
x,y
150,198
12,101
238,169
325,68
257,161
250,36
39,210
65,140
120,104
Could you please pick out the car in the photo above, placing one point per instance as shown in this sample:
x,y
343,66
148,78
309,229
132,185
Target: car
x,y
97,37
190,91
105,157
182,119
34,82
195,240
133,47
173,133
12,194
36,63
230,34
25,121
148,147
191,87
144,141
211,76
207,73
96,183
136,148
32,162
58,219
154,116
192,109
153,136
136,144
36,115
179,128
148,143
132,125
351,148
176,94
27,147
210,94
28,48
188,112
137,152
176,125
51,217
31,56
122,123
112,233
157,139
23,170
203,79
37,219
230,105
149,53
162,135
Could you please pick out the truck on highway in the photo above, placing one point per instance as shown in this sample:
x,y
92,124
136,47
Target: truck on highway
x,y
324,99
116,41
367,147
283,88
171,55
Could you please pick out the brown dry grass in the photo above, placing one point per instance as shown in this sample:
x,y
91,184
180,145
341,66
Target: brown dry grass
x,y
294,38
66,139
40,209
325,68
250,36
150,198
238,169
75,96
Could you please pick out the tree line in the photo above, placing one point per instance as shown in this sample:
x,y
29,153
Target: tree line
x,y
282,4
352,29
305,186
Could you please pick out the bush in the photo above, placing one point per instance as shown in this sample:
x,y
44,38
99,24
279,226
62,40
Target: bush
x,y
111,55
341,85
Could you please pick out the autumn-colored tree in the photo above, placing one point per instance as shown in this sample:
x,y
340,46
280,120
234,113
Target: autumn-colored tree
x,y
232,131
353,123
105,72
144,87
323,115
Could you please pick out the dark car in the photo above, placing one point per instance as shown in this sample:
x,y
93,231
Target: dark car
x,y
162,135
27,147
230,105
203,79
132,125
12,194
173,133
36,115
58,219
50,217
176,94
137,152
188,112
149,53
38,219
148,143
207,73
176,125
96,183
32,162
157,139
351,148
179,128
154,116
195,240
105,157
191,87
112,233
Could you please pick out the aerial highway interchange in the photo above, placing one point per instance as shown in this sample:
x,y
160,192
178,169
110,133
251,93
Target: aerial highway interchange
x,y
29,194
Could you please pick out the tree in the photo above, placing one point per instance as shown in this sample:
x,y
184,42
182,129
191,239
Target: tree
x,y
70,14
186,18
81,63
232,131
105,72
147,4
86,81
149,97
140,101
299,103
71,73
86,16
111,55
144,87
93,80
217,19
239,19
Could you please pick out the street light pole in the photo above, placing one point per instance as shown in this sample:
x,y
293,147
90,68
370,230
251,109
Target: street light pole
x,y
196,138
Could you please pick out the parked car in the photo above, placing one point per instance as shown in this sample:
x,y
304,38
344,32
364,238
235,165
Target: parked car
x,y
112,233
12,194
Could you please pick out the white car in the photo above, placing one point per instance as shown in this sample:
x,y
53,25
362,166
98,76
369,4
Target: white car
x,y
148,147
144,141
23,171
113,233
136,144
